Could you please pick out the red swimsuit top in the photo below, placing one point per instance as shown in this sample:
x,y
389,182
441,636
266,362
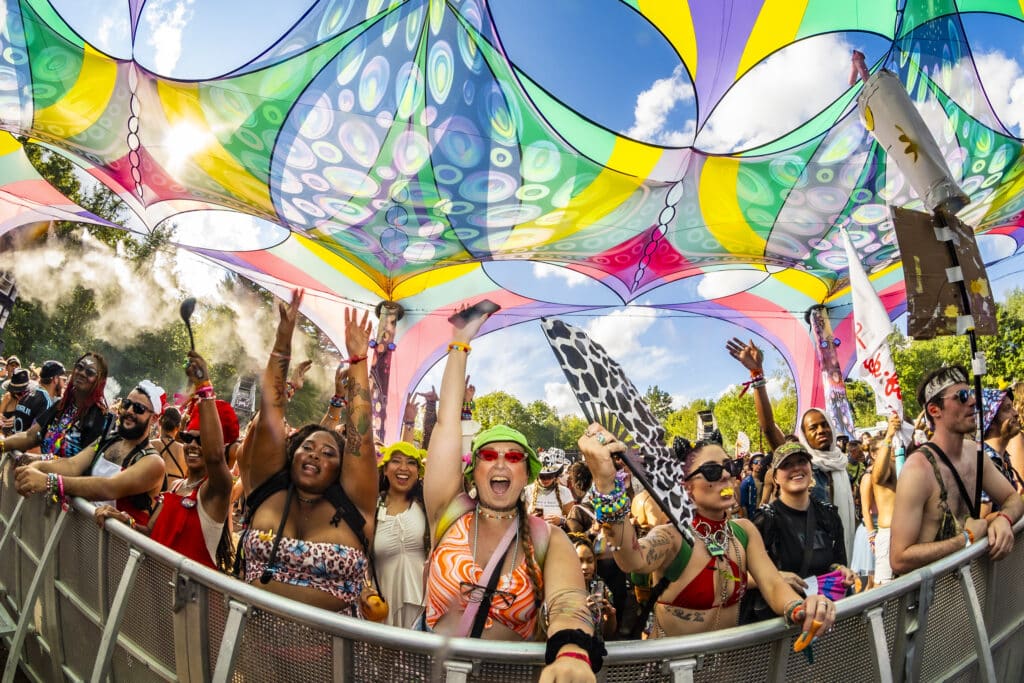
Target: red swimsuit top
x,y
700,592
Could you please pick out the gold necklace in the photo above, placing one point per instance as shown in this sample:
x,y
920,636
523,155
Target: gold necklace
x,y
493,514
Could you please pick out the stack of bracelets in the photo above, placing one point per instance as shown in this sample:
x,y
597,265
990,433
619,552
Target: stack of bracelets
x,y
338,401
55,490
791,608
205,391
756,381
610,507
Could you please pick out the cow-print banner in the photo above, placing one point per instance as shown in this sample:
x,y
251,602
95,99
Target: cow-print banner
x,y
607,397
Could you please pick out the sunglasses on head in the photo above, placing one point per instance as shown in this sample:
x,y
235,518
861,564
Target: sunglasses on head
x,y
87,370
712,471
188,439
136,407
962,396
490,455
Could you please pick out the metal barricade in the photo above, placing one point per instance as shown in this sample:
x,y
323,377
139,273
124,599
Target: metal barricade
x,y
79,603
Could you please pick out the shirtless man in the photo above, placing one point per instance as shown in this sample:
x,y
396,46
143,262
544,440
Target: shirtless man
x,y
932,516
883,493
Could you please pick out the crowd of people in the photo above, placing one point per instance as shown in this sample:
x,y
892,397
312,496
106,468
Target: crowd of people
x,y
477,533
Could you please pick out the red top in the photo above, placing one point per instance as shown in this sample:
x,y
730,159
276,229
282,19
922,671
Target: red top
x,y
179,528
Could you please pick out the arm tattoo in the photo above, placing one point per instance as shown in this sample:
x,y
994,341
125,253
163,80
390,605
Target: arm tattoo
x,y
656,543
280,372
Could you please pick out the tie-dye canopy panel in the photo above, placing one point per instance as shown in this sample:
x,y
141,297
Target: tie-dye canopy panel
x,y
407,156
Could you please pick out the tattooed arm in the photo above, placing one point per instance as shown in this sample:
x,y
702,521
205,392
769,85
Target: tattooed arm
x,y
650,554
359,466
265,454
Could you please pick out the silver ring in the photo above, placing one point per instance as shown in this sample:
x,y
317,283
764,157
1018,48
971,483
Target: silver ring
x,y
600,439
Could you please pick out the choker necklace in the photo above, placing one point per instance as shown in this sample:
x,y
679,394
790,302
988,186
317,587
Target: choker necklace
x,y
308,501
492,514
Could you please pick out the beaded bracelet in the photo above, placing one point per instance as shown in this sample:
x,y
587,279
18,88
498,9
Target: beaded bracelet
x,y
338,401
610,507
459,346
790,609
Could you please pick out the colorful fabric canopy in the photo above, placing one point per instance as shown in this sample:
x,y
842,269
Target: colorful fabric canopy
x,y
410,159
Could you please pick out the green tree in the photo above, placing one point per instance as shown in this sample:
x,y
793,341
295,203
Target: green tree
x,y
569,429
499,407
543,426
862,400
660,402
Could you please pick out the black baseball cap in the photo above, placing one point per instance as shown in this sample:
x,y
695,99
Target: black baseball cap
x,y
51,369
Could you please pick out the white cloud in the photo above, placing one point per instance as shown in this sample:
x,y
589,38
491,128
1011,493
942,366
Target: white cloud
x,y
112,31
621,334
571,277
778,95
167,21
559,396
1003,79
653,106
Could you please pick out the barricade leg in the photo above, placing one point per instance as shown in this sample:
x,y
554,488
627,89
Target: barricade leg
x,y
986,666
33,591
191,630
912,627
231,642
879,647
6,622
682,670
101,668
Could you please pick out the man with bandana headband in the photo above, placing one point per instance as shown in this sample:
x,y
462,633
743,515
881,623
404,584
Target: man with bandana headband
x,y
933,514
815,433
123,468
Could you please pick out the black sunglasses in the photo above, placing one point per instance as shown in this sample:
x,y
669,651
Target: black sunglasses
x,y
87,370
187,438
962,396
712,471
136,407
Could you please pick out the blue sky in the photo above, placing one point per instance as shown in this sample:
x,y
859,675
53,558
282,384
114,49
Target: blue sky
x,y
641,92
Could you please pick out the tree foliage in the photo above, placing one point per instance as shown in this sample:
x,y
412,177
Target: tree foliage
x,y
659,401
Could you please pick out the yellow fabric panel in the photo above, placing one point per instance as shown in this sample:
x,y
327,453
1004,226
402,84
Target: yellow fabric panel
x,y
721,208
182,107
674,20
809,285
8,144
84,103
777,25
343,267
838,294
602,196
423,281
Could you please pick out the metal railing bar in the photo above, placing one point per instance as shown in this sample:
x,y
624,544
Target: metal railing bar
x,y
879,646
18,640
101,667
234,629
986,665
87,611
9,530
682,670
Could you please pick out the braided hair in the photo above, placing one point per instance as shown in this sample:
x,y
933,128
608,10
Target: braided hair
x,y
96,396
533,570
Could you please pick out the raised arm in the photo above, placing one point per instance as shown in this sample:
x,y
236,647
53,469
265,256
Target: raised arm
x,y
659,546
409,418
752,358
359,465
442,480
884,469
429,414
216,492
265,454
337,409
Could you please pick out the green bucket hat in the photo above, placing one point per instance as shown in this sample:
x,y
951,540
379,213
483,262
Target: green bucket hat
x,y
503,433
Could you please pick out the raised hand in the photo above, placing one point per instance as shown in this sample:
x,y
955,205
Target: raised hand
x,y
596,445
299,374
341,379
468,331
411,408
196,369
748,354
289,316
429,396
357,332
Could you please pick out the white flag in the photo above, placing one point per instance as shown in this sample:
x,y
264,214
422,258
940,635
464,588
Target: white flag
x,y
872,326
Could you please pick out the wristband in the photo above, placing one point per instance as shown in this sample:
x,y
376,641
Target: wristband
x,y
594,646
575,655
1006,517
354,359
205,392
790,609
278,354
968,538
459,346
338,401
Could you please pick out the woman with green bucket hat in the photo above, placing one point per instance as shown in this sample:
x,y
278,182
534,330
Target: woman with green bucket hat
x,y
496,571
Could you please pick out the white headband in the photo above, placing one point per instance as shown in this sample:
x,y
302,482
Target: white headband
x,y
155,394
942,381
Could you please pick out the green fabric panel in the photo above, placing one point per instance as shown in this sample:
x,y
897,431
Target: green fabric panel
x,y
827,16
44,12
56,62
1007,8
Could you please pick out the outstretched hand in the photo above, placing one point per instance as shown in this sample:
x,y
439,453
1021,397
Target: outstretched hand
x,y
597,445
411,408
429,396
289,316
468,332
196,369
299,374
749,354
340,379
357,332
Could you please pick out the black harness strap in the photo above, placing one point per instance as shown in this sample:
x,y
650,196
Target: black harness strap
x,y
972,505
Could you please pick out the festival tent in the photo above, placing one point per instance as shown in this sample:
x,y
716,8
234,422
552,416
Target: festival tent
x,y
407,157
